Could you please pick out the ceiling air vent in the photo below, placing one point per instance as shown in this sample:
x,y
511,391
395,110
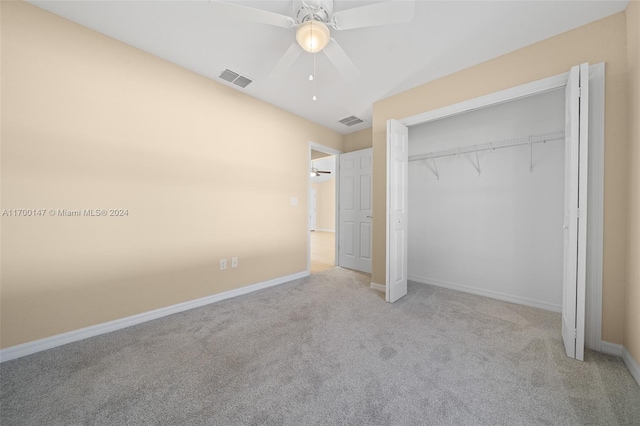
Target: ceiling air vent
x,y
351,121
235,78
242,81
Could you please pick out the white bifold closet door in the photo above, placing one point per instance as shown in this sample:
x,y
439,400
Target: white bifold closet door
x,y
575,212
397,206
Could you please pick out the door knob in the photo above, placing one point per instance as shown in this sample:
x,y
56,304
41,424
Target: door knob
x,y
370,217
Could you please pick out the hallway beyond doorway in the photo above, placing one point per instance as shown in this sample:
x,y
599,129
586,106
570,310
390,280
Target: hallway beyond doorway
x,y
323,248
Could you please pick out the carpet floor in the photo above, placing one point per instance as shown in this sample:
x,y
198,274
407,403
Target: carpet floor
x,y
325,350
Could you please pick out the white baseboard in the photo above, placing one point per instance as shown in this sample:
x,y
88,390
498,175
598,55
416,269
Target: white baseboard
x,y
29,348
489,293
611,348
622,352
632,364
325,230
379,287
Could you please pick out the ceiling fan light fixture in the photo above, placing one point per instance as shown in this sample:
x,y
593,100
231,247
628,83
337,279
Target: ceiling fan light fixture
x,y
313,36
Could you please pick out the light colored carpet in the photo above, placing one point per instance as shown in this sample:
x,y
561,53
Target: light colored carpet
x,y
325,350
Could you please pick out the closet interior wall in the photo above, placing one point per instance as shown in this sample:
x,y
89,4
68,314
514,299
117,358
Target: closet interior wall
x,y
490,224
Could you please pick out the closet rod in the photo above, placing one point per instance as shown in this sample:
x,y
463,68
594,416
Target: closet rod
x,y
531,139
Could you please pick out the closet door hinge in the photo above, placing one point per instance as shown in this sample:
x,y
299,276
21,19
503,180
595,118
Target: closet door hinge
x,y
579,92
575,333
578,212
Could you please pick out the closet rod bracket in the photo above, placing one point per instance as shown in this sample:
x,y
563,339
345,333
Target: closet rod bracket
x,y
435,168
530,154
477,165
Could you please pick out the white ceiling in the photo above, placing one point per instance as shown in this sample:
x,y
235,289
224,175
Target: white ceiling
x,y
443,37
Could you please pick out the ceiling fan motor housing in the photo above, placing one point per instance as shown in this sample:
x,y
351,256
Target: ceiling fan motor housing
x,y
312,10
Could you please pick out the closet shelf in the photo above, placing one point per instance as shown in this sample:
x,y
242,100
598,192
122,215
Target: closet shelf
x,y
487,146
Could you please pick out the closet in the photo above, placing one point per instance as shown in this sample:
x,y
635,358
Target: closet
x,y
486,201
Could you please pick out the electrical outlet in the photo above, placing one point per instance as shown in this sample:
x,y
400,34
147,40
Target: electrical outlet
x,y
223,264
234,262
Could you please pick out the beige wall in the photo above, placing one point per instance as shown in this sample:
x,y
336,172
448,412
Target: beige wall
x,y
632,311
358,140
600,41
90,123
318,154
325,205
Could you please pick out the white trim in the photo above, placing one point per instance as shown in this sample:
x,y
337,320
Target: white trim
x,y
632,364
322,148
29,348
379,287
328,150
611,348
524,90
489,293
620,351
593,314
387,219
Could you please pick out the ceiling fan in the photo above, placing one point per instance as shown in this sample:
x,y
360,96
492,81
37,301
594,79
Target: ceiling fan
x,y
312,18
316,173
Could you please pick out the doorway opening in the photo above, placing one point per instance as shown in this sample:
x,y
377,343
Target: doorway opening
x,y
322,211
584,89
322,208
486,201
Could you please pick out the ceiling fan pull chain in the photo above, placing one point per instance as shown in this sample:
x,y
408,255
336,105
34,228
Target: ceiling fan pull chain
x,y
314,76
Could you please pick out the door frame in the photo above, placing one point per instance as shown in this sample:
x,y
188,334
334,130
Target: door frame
x,y
313,205
595,205
336,153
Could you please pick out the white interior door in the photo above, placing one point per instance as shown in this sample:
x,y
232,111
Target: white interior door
x,y
575,214
356,209
313,206
397,198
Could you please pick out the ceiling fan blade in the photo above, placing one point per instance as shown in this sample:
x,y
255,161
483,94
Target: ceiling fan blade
x,y
286,61
388,12
252,14
341,61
